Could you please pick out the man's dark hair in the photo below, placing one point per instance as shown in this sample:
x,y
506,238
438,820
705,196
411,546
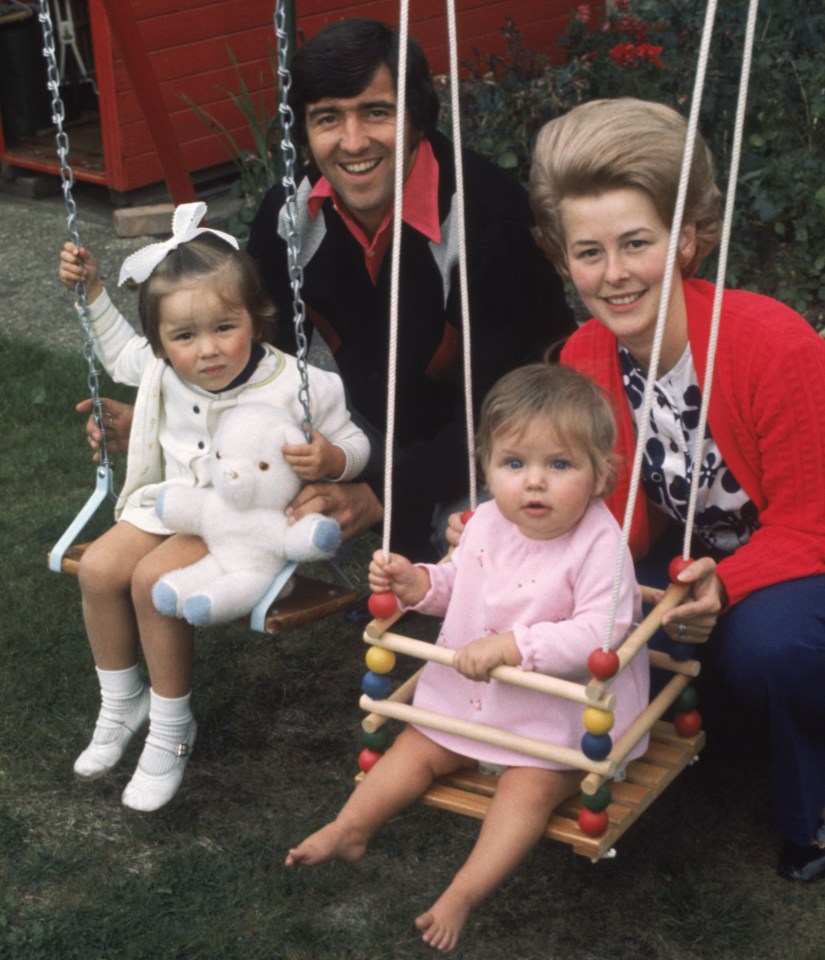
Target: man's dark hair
x,y
341,61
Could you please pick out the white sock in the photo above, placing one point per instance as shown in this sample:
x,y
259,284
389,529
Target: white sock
x,y
168,724
119,692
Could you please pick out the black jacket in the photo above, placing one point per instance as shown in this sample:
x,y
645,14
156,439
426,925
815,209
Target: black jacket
x,y
517,309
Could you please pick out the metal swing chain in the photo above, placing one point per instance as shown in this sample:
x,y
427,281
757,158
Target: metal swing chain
x,y
296,272
67,182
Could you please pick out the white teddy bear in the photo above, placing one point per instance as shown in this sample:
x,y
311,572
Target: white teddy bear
x,y
241,519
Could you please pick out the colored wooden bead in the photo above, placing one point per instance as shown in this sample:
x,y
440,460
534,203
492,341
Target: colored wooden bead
x,y
676,566
380,660
603,664
681,651
597,721
596,746
376,686
598,801
367,759
688,724
377,740
593,823
687,701
382,605
465,517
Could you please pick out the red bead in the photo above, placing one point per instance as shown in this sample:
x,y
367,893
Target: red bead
x,y
676,566
382,605
593,823
367,759
465,517
688,724
603,664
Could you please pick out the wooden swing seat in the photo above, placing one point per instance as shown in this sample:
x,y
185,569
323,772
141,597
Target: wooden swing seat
x,y
469,792
309,600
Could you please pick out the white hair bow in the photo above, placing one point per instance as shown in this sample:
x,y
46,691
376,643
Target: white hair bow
x,y
139,265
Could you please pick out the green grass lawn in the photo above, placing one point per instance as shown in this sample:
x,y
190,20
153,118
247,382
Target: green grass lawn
x,y
81,877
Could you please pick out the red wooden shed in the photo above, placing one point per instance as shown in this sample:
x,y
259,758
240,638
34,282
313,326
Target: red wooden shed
x,y
123,61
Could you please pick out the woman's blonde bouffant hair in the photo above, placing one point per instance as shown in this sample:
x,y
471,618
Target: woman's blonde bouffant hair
x,y
619,144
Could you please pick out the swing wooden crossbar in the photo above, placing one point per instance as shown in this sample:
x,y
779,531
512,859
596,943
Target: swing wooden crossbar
x,y
308,599
634,785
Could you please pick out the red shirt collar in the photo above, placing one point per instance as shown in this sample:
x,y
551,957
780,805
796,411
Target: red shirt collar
x,y
420,209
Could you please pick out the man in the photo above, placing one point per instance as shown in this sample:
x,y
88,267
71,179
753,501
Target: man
x,y
343,95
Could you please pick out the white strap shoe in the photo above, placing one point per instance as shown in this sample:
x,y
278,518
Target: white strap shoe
x,y
110,739
147,792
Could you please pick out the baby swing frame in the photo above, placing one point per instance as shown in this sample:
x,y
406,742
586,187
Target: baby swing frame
x,y
306,599
594,822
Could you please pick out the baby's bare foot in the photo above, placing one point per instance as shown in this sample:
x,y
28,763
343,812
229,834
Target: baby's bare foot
x,y
332,842
442,924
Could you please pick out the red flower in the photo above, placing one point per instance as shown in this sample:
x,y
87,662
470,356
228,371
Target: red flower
x,y
623,55
583,13
626,55
649,52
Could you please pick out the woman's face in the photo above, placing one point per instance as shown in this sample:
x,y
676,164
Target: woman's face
x,y
616,247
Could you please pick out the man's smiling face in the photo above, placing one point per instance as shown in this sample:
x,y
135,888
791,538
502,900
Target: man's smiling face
x,y
352,141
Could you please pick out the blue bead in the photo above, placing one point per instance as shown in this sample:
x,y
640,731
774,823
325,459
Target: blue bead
x,y
596,746
682,651
377,686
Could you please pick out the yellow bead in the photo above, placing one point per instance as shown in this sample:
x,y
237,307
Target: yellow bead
x,y
380,660
597,721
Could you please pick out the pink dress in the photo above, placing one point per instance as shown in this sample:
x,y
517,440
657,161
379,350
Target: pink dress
x,y
555,596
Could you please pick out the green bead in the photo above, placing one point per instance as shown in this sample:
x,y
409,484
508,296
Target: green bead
x,y
687,701
599,800
377,740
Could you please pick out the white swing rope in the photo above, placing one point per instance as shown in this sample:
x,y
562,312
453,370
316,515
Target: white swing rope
x,y
400,148
462,252
676,229
722,266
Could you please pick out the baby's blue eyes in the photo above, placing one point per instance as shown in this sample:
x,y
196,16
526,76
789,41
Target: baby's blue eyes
x,y
515,464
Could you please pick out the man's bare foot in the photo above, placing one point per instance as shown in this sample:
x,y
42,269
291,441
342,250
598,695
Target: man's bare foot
x,y
442,924
332,842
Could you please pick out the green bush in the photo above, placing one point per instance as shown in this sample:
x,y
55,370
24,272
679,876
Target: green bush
x,y
648,49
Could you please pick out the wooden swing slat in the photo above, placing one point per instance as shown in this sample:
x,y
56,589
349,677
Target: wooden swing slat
x,y
469,791
309,600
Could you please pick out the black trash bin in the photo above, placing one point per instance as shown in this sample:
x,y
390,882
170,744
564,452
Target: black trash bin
x,y
25,101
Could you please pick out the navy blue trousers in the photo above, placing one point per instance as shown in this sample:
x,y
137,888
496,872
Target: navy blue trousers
x,y
768,652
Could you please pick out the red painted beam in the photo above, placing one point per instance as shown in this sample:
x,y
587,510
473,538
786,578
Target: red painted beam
x,y
126,31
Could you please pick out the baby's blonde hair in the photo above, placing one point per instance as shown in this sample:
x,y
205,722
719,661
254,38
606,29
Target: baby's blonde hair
x,y
619,144
575,405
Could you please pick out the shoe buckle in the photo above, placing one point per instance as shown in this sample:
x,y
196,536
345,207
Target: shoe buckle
x,y
182,750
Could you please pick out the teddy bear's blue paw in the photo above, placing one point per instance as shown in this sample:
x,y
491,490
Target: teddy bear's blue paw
x,y
159,504
326,535
198,610
165,599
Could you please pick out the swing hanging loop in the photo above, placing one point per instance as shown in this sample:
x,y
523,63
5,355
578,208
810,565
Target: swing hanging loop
x,y
67,182
296,273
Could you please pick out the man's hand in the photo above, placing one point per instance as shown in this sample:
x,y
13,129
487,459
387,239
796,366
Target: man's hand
x,y
117,419
353,505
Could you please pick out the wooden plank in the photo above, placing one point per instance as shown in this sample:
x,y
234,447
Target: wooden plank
x,y
468,792
309,600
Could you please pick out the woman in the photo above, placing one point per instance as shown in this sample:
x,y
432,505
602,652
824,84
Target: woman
x,y
603,188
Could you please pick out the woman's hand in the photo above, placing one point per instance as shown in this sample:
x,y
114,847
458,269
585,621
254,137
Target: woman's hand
x,y
693,620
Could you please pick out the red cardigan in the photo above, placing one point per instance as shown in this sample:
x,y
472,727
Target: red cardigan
x,y
767,414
